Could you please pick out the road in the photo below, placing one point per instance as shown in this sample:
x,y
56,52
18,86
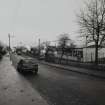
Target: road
x,y
51,86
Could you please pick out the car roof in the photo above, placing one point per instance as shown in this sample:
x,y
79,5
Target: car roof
x,y
29,59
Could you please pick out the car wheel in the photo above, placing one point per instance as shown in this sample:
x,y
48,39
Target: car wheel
x,y
35,72
19,66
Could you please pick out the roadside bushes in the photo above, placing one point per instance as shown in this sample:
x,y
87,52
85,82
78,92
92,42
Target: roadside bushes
x,y
2,51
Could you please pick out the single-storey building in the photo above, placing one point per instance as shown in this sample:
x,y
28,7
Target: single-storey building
x,y
89,53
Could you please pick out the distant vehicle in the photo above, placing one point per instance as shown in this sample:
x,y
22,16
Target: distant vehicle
x,y
27,65
18,53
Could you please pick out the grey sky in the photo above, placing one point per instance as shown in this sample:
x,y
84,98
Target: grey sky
x,y
33,19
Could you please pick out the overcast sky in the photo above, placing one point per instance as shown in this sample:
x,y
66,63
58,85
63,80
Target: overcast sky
x,y
29,20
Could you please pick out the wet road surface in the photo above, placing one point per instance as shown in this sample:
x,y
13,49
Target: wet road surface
x,y
56,86
62,87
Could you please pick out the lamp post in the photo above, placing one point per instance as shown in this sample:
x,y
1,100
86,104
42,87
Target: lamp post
x,y
9,41
9,38
39,48
86,47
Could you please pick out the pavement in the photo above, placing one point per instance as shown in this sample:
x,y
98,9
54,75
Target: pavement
x,y
96,73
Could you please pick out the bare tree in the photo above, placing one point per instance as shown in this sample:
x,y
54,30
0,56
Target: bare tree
x,y
92,23
63,43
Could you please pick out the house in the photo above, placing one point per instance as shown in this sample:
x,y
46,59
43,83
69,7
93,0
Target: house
x,y
74,54
89,53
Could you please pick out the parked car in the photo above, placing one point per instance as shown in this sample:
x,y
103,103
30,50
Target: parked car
x,y
27,65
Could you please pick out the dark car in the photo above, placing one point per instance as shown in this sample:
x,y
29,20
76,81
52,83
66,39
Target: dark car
x,y
27,65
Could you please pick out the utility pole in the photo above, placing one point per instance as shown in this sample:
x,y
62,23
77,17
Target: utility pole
x,y
9,42
86,49
9,37
39,47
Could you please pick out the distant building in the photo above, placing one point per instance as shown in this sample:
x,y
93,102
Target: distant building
x,y
74,54
89,53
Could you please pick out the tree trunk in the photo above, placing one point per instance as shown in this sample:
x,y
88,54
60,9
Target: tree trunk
x,y
67,59
61,57
96,53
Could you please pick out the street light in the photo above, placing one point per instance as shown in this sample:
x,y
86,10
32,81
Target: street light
x,y
9,37
86,47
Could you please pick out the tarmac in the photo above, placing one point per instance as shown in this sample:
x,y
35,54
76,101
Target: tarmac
x,y
90,72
